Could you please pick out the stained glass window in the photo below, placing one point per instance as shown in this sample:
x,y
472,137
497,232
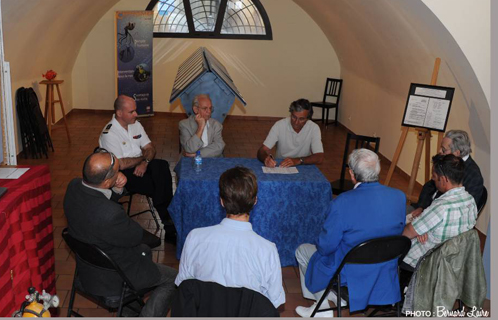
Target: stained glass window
x,y
169,16
234,19
242,17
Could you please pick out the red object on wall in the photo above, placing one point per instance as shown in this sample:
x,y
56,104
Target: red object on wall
x,y
26,238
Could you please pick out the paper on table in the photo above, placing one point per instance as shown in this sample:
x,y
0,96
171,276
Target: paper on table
x,y
12,173
280,170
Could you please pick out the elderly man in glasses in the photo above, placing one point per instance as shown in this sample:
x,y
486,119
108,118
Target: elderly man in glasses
x,y
451,214
94,216
127,139
200,132
457,143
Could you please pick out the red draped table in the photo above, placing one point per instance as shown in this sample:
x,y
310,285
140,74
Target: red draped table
x,y
26,238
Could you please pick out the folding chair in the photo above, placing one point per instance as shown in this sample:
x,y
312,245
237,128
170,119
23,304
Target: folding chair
x,y
94,256
368,252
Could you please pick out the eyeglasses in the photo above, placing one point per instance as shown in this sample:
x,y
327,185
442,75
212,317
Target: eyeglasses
x,y
109,172
206,108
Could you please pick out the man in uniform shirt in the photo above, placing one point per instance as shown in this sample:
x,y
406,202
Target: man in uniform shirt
x,y
126,138
200,132
298,140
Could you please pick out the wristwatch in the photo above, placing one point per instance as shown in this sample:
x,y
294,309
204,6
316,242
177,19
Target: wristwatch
x,y
301,161
146,160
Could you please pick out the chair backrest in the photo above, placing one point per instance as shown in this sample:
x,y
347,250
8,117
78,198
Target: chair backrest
x,y
209,299
332,91
93,255
482,201
366,142
377,250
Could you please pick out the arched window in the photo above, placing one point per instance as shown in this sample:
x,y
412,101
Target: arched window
x,y
215,19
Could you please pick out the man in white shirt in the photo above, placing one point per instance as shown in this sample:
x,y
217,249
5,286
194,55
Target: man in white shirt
x,y
231,253
200,132
126,138
298,140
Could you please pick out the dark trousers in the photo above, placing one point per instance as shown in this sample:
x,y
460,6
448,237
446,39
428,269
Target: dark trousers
x,y
156,183
160,299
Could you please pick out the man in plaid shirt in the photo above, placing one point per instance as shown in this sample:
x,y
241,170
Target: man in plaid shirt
x,y
453,213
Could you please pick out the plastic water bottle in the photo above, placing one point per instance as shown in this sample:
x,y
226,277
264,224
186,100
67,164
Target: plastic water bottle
x,y
198,162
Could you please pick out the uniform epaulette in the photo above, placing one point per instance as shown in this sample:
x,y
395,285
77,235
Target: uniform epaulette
x,y
106,130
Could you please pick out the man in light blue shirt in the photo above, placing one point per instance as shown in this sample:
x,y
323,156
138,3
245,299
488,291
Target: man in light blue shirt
x,y
231,253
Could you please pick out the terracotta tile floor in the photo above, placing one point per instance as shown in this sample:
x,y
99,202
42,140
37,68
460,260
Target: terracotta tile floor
x,y
243,138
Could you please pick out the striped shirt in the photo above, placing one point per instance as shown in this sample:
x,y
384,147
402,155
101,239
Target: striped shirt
x,y
448,216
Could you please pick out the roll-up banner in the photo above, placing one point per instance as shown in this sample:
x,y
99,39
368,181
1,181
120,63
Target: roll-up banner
x,y
134,30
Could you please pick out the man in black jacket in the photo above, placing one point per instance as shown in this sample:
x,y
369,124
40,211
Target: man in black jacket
x,y
94,216
455,142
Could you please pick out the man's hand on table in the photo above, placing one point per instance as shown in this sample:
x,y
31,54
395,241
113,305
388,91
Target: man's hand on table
x,y
289,162
190,155
270,162
140,169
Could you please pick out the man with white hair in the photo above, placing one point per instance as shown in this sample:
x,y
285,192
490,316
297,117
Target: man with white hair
x,y
455,142
370,210
200,132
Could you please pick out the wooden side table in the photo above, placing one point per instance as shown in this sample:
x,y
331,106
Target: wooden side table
x,y
49,105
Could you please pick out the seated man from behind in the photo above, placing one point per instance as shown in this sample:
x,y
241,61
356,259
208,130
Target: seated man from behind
x,y
126,138
200,132
94,216
298,140
369,211
453,213
231,253
455,142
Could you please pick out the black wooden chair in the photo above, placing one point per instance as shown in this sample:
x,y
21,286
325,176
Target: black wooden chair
x,y
92,255
331,97
369,252
343,184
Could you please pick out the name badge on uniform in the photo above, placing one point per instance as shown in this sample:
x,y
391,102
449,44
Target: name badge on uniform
x,y
137,136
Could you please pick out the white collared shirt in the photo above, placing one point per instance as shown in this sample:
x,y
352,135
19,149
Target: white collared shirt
x,y
124,143
233,255
204,137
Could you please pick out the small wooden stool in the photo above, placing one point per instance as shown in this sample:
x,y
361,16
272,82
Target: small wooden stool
x,y
49,105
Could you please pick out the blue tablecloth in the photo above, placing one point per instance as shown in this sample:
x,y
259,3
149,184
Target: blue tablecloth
x,y
290,211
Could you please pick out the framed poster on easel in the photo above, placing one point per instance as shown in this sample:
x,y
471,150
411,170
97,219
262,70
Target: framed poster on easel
x,y
428,107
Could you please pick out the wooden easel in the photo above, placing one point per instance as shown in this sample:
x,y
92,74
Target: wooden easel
x,y
49,105
423,135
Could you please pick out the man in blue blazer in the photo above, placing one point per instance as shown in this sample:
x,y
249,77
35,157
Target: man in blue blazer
x,y
369,211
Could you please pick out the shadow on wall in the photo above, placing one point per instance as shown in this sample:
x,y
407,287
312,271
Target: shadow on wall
x,y
172,49
475,119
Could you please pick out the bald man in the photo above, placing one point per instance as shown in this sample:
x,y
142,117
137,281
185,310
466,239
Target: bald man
x,y
94,216
126,138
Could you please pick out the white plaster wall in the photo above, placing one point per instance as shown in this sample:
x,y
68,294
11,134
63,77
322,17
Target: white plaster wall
x,y
385,45
469,22
269,74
